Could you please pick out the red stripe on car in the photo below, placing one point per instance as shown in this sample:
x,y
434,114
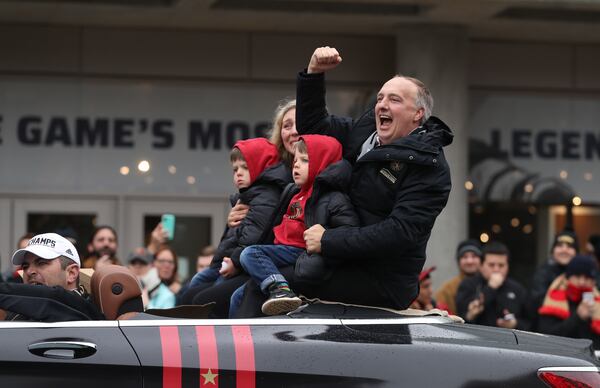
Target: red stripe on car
x,y
171,356
244,357
208,353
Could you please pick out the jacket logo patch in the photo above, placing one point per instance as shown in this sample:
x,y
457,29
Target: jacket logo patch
x,y
388,175
295,210
396,166
511,295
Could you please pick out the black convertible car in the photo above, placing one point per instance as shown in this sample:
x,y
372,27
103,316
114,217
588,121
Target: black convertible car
x,y
321,345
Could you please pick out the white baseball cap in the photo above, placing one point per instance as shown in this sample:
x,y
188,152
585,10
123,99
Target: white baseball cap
x,y
48,246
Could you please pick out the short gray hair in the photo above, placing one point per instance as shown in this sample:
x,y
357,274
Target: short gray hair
x,y
424,99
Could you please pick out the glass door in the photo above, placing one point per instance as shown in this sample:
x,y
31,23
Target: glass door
x,y
71,217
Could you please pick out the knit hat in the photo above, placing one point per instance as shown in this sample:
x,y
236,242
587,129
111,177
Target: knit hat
x,y
566,236
468,246
582,265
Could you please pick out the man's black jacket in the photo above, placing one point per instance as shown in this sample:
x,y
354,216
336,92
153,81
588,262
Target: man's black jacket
x,y
46,304
398,190
510,296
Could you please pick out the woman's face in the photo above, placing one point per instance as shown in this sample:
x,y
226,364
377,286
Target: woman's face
x,y
289,135
165,265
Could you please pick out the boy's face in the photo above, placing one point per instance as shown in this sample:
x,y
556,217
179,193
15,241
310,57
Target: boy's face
x,y
241,174
300,170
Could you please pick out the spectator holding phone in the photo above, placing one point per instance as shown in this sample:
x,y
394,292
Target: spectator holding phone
x,y
491,298
160,283
570,307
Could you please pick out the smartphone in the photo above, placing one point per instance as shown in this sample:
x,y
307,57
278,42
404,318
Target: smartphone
x,y
168,224
588,297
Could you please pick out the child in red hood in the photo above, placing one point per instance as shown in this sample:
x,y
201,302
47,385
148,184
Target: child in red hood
x,y
321,176
260,178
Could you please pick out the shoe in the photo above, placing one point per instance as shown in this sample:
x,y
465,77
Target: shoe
x,y
281,300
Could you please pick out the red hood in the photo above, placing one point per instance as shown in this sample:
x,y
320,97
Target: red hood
x,y
322,151
259,154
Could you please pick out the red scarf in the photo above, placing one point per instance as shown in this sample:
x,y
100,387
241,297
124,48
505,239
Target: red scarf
x,y
560,292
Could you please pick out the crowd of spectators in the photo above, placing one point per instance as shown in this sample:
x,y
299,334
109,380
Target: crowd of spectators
x,y
349,207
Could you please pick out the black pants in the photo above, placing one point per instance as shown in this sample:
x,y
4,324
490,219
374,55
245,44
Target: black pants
x,y
220,294
348,284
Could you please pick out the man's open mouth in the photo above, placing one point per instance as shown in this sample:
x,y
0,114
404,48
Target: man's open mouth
x,y
385,119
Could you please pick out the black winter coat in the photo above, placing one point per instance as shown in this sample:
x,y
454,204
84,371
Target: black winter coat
x,y
398,190
263,197
510,296
573,326
46,304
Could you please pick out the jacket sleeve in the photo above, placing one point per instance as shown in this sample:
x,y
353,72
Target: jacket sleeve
x,y
569,327
466,294
46,304
249,232
417,204
524,315
341,212
312,116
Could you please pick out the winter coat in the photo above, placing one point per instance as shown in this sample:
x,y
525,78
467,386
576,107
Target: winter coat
x,y
558,315
510,296
263,197
28,302
398,190
543,276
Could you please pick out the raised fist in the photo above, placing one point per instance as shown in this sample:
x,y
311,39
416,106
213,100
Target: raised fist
x,y
324,59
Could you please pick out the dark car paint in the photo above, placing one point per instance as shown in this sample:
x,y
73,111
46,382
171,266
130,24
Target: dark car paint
x,y
286,352
20,368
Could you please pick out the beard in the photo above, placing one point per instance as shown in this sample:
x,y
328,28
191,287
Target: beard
x,y
104,251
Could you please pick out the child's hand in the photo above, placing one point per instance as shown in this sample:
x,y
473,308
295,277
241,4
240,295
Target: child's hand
x,y
228,270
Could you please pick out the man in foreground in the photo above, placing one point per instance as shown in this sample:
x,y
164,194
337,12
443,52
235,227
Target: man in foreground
x,y
51,291
400,183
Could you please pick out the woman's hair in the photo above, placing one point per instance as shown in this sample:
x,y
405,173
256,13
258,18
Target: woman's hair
x,y
275,131
173,277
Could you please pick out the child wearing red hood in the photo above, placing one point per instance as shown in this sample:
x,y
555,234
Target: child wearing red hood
x,y
321,175
260,178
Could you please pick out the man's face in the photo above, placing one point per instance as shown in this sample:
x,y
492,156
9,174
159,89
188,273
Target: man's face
x,y
300,169
494,263
469,263
45,272
241,174
396,114
104,243
563,253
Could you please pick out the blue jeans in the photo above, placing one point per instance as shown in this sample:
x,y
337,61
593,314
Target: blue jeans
x,y
261,262
206,276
